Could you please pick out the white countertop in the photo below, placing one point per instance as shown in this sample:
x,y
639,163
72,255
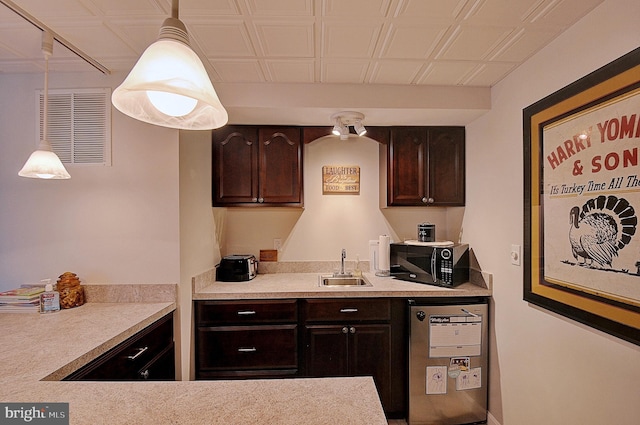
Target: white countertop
x,y
37,350
305,285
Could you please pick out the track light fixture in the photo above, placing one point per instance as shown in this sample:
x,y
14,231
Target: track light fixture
x,y
342,121
359,128
339,129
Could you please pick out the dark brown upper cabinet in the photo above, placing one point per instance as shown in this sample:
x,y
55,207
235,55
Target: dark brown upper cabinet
x,y
257,166
426,166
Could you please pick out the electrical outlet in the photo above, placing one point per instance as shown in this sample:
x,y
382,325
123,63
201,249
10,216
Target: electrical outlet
x,y
515,254
277,244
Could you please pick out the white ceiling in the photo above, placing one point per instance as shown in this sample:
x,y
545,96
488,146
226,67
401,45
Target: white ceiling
x,y
415,46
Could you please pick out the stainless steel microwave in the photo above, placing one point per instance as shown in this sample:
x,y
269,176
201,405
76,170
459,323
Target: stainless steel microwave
x,y
434,265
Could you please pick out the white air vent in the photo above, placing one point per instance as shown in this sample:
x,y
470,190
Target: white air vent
x,y
79,124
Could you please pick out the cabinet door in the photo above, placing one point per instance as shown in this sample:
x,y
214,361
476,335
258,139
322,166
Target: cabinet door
x,y
351,350
446,165
280,153
406,174
326,350
370,355
235,165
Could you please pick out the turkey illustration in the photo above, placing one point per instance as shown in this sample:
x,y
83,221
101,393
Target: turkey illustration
x,y
602,227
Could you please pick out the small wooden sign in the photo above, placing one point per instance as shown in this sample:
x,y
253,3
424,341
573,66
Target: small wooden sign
x,y
341,179
268,255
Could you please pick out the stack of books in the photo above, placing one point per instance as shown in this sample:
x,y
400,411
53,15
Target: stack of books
x,y
21,300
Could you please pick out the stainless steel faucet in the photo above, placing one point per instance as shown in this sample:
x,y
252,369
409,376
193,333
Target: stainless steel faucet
x,y
342,273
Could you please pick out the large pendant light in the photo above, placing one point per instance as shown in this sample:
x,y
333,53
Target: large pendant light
x,y
169,85
44,163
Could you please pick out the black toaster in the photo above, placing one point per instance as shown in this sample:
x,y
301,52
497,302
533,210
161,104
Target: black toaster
x,y
237,268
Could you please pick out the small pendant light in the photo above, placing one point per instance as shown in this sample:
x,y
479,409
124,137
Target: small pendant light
x,y
44,163
169,85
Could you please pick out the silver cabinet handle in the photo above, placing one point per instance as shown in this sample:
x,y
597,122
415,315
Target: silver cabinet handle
x,y
246,313
348,310
352,330
247,350
345,330
138,354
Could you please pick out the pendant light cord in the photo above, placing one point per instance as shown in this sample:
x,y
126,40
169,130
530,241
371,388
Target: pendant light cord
x,y
46,97
47,50
174,9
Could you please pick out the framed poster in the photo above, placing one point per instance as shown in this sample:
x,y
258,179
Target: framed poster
x,y
582,200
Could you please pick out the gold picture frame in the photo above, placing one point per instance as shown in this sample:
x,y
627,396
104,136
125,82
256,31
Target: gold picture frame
x,y
582,200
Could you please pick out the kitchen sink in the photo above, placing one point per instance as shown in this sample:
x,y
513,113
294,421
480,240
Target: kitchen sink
x,y
341,281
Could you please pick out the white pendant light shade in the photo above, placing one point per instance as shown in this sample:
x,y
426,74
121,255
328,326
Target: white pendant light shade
x,y
44,164
169,85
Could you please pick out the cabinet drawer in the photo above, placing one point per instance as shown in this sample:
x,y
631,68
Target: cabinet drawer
x,y
127,360
161,368
141,350
247,347
347,310
233,312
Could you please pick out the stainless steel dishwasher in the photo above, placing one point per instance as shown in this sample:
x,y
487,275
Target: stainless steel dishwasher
x,y
448,344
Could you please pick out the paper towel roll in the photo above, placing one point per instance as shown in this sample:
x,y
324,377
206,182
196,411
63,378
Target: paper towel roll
x,y
383,253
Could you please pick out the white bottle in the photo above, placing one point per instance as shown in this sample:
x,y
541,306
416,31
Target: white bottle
x,y
49,300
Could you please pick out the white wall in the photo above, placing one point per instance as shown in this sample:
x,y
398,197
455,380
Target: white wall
x,y
330,222
199,250
334,221
546,369
115,224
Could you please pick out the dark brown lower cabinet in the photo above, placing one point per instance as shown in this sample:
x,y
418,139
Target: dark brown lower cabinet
x,y
351,350
358,337
246,339
305,338
148,355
